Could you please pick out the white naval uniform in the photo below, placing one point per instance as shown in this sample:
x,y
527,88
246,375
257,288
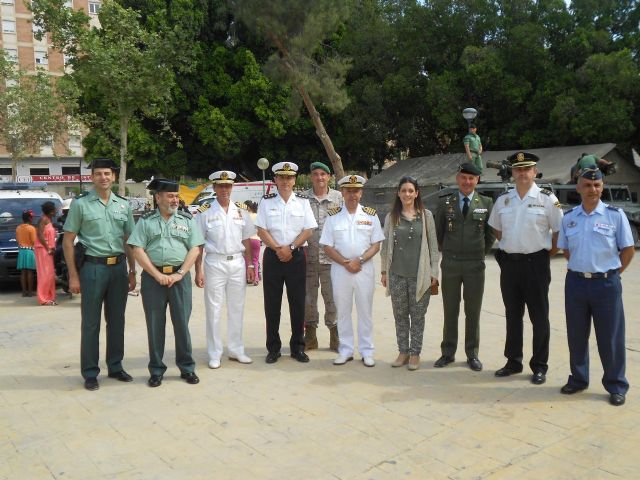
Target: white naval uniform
x,y
351,236
225,274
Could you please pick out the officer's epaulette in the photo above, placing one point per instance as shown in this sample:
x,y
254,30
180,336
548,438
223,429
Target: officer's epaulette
x,y
83,194
369,210
546,191
333,211
120,196
149,214
302,195
204,207
269,195
611,207
184,214
242,205
445,194
504,193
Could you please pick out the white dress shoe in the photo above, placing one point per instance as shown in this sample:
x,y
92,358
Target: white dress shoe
x,y
342,360
369,362
214,363
241,358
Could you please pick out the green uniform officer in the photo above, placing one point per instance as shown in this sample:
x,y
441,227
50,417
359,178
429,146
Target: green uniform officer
x,y
166,244
101,221
473,147
464,239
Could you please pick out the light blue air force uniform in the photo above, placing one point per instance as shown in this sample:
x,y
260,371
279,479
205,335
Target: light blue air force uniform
x,y
593,290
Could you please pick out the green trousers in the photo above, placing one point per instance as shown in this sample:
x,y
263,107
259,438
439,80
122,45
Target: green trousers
x,y
155,298
477,161
466,276
100,284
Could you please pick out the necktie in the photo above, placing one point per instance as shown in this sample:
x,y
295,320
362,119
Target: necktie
x,y
465,207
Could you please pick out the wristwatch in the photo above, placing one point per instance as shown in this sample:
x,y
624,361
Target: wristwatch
x,y
180,271
361,260
292,247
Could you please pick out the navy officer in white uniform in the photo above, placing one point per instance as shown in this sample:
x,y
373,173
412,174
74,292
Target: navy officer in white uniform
x,y
597,241
226,227
526,221
285,222
351,238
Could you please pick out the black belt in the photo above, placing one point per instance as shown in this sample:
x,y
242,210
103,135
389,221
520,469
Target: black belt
x,y
115,260
594,275
523,256
168,268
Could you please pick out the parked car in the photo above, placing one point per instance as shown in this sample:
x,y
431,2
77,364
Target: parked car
x,y
15,198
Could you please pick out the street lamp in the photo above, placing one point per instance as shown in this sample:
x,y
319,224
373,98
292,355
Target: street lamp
x,y
263,164
469,114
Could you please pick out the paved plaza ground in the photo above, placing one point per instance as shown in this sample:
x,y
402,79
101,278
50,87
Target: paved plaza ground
x,y
311,421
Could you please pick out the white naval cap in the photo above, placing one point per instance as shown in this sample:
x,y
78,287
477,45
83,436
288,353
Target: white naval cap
x,y
352,181
285,168
222,176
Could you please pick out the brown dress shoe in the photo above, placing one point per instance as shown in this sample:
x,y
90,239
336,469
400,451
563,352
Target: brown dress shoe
x,y
414,362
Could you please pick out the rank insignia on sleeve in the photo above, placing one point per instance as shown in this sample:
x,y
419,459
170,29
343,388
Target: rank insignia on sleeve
x,y
369,210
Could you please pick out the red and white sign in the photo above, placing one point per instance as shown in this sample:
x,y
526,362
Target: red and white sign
x,y
52,178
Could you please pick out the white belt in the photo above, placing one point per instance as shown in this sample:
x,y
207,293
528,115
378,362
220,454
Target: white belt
x,y
224,256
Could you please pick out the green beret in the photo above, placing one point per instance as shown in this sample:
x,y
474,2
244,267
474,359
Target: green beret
x,y
321,166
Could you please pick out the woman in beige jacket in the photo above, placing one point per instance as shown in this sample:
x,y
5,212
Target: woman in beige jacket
x,y
410,260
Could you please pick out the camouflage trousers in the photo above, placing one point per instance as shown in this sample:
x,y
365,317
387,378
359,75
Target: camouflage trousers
x,y
409,314
319,276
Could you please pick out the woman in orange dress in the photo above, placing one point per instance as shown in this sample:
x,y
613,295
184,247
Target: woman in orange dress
x,y
26,239
45,247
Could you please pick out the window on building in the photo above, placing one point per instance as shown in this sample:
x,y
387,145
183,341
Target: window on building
x,y
7,2
71,170
11,54
5,170
74,141
39,171
94,8
41,57
9,26
69,4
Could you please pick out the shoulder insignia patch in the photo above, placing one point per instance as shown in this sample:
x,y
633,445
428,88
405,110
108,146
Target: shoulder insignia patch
x,y
184,214
558,204
369,210
242,205
269,195
333,211
204,207
302,195
149,214
546,191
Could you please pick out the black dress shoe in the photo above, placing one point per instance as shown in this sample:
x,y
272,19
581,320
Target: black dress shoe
x,y
616,399
190,377
571,389
122,376
272,357
474,364
507,371
91,384
443,361
155,381
538,378
301,357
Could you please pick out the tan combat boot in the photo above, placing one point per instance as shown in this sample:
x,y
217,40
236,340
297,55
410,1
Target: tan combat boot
x,y
334,340
310,339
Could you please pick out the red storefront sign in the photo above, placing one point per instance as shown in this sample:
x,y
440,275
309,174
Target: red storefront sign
x,y
52,178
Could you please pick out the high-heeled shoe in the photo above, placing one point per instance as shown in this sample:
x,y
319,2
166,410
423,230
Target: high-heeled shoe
x,y
402,359
414,362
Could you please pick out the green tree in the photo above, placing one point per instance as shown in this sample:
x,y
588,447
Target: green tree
x,y
125,69
34,109
298,31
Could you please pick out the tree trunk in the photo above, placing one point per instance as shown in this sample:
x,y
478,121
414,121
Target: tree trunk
x,y
124,127
335,159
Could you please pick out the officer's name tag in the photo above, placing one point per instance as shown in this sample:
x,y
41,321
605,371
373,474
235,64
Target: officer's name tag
x,y
480,210
604,228
364,222
181,228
